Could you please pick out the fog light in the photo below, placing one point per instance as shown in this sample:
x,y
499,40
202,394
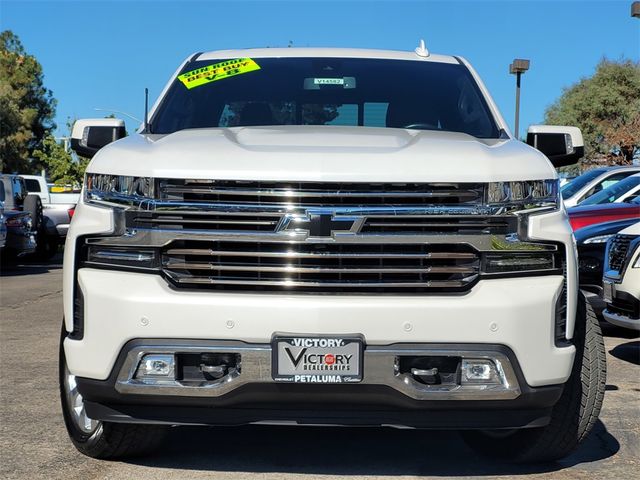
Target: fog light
x,y
156,366
480,372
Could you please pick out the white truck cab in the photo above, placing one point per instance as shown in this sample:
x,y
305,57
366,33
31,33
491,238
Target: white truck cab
x,y
326,236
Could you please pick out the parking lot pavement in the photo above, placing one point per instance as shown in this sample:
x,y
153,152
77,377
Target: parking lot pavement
x,y
33,442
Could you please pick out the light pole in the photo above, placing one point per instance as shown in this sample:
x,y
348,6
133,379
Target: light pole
x,y
65,142
635,9
517,68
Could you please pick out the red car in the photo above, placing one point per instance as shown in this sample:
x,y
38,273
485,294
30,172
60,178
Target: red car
x,y
582,216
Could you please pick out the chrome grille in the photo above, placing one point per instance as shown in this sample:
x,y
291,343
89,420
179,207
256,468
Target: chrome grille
x,y
201,220
257,207
618,249
320,267
323,194
439,224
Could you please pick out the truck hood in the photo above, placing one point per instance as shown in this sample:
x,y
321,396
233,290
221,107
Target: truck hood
x,y
322,153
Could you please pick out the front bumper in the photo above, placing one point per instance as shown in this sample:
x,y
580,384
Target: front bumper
x,y
623,321
382,398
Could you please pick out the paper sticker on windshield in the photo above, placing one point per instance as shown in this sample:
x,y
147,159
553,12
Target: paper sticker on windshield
x,y
217,71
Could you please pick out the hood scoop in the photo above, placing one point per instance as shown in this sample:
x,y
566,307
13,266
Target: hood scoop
x,y
323,137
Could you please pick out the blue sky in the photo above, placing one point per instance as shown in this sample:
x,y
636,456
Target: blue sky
x,y
103,53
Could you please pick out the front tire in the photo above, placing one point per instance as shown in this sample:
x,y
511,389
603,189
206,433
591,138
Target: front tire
x,y
99,439
572,417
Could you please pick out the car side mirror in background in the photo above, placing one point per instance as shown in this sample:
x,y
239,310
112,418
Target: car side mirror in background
x,y
562,145
91,134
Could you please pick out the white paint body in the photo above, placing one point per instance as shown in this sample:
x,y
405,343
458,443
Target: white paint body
x,y
522,309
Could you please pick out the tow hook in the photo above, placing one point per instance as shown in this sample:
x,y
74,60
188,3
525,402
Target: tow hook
x,y
428,376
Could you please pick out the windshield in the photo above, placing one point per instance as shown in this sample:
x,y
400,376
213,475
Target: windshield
x,y
325,91
614,192
573,187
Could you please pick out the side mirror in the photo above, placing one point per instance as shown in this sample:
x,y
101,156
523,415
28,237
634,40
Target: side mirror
x,y
91,134
562,145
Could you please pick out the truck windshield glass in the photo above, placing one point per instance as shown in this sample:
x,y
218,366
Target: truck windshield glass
x,y
325,91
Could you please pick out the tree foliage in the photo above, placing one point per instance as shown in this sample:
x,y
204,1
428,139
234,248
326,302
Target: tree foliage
x,y
606,107
27,108
61,167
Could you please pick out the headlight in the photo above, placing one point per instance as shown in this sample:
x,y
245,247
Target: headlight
x,y
598,239
118,189
524,195
96,255
520,262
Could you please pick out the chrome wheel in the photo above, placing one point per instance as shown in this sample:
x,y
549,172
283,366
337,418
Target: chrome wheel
x,y
75,404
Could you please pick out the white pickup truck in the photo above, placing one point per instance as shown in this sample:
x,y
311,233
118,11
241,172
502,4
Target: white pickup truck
x,y
326,236
57,211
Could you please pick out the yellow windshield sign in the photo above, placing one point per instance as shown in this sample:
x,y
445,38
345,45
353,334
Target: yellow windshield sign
x,y
217,71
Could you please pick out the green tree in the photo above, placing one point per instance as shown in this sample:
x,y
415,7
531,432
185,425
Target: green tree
x,y
27,108
606,107
61,167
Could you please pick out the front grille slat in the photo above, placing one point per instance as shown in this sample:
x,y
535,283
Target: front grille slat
x,y
285,254
325,285
171,265
221,192
302,194
169,221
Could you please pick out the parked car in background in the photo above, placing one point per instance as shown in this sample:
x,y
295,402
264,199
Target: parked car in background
x,y
591,242
621,282
51,193
3,224
623,191
593,181
58,210
24,217
21,236
583,216
15,230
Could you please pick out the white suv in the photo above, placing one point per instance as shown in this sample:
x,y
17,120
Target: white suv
x,y
326,236
621,280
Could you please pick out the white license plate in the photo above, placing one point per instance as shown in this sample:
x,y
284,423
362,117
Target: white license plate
x,y
608,291
317,359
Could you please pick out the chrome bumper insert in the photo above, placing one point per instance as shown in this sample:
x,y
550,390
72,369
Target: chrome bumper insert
x,y
380,367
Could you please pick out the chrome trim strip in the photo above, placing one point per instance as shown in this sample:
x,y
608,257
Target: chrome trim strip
x,y
227,208
238,253
378,369
189,280
292,193
186,265
170,221
141,237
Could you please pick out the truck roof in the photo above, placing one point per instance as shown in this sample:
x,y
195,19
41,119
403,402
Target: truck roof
x,y
323,52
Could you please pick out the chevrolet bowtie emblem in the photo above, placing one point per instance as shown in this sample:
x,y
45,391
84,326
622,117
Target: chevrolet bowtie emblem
x,y
320,223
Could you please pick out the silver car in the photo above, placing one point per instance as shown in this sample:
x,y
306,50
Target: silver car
x,y
594,181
